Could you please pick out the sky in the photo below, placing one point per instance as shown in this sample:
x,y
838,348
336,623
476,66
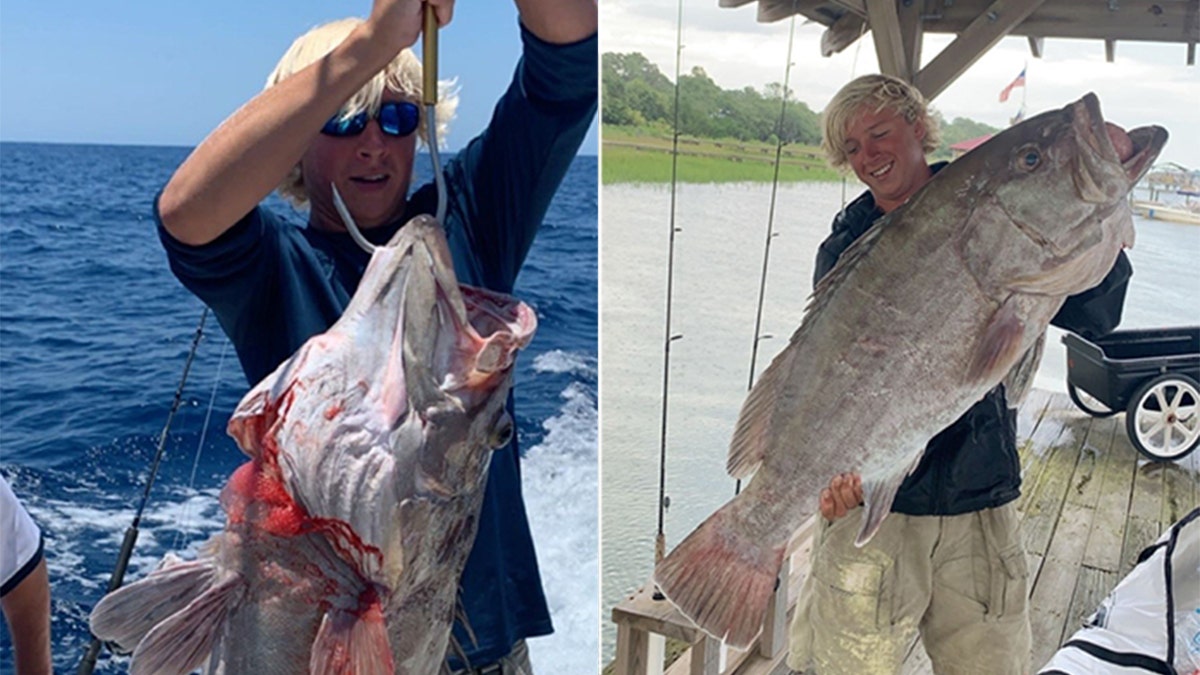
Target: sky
x,y
1149,83
167,73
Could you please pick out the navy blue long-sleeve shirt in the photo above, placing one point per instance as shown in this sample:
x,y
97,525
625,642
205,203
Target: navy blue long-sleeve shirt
x,y
273,284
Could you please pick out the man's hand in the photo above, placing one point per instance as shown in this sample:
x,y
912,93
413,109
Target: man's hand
x,y
398,23
843,494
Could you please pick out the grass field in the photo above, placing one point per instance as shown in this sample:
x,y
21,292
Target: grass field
x,y
629,157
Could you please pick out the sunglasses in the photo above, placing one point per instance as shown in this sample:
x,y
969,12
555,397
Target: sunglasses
x,y
396,118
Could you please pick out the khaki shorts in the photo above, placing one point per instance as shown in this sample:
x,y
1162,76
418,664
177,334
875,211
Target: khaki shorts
x,y
961,581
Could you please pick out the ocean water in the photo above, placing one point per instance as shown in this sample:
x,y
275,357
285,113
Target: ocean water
x,y
719,253
94,332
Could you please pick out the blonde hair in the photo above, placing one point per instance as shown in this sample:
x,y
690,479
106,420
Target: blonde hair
x,y
403,74
874,93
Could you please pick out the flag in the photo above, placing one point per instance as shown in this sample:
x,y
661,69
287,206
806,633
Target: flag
x,y
1019,82
1018,117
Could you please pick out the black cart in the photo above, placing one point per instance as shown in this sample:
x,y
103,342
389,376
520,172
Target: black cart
x,y
1152,375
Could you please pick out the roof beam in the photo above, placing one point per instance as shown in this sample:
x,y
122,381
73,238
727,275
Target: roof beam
x,y
770,11
843,33
986,30
1036,45
889,44
912,34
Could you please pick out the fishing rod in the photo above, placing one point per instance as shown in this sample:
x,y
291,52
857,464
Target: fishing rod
x,y
429,96
660,540
762,283
88,664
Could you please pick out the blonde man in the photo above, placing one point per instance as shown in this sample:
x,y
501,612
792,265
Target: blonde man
x,y
341,108
949,563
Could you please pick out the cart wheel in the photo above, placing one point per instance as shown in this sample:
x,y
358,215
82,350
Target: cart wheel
x,y
1091,405
1163,418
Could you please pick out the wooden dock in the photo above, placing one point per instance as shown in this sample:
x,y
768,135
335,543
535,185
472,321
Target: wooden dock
x,y
1089,503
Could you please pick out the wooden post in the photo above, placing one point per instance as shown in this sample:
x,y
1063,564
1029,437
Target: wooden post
x,y
774,634
633,650
706,657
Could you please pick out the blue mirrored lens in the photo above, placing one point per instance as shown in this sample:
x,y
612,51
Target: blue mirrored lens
x,y
396,118
348,126
399,118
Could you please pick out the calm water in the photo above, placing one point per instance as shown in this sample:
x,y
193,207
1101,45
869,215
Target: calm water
x,y
94,331
718,262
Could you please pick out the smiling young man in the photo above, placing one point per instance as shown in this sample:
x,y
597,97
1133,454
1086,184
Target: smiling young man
x,y
341,108
949,562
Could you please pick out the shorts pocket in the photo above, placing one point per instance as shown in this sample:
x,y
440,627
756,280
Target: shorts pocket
x,y
1008,585
853,594
1009,593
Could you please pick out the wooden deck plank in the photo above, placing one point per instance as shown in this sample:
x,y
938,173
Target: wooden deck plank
x,y
1179,495
1054,585
1139,533
1091,587
1037,449
1148,490
1116,486
1056,581
1041,511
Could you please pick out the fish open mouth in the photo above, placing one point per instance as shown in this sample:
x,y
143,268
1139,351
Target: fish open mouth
x,y
496,315
1147,141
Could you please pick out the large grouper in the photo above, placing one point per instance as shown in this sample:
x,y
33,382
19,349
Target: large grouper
x,y
920,317
348,529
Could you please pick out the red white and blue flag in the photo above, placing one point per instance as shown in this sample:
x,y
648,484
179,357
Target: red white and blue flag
x,y
1019,82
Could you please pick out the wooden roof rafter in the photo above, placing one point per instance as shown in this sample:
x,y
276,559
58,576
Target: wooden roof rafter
x,y
900,25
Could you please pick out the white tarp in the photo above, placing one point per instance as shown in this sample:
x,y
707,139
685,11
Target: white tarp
x,y
1150,623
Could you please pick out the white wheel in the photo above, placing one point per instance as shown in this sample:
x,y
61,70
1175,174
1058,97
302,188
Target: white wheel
x,y
1163,418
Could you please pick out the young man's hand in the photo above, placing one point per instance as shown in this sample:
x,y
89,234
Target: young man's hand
x,y
398,23
843,494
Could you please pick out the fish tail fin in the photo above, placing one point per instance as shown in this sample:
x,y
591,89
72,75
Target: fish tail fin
x,y
126,615
185,640
721,579
353,641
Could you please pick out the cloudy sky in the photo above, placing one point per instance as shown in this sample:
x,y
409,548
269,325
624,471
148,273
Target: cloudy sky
x,y
1148,83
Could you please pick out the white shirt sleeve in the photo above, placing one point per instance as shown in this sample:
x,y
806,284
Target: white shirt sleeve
x,y
20,540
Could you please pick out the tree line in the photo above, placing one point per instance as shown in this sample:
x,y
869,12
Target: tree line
x,y
638,94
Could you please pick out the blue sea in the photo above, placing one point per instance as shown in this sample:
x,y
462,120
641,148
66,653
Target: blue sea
x,y
94,335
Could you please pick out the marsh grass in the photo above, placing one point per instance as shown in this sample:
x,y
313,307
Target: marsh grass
x,y
632,156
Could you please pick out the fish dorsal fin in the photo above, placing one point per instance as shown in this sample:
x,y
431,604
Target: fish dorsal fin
x,y
749,444
847,261
750,436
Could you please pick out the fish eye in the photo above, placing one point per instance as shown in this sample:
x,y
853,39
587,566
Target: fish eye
x,y
1028,158
502,432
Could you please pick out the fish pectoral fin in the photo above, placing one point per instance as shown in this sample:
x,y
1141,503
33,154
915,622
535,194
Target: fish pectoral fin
x,y
878,495
1000,347
353,641
127,614
185,640
749,444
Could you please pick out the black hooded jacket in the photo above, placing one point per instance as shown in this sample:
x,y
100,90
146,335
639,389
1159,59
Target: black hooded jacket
x,y
973,464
